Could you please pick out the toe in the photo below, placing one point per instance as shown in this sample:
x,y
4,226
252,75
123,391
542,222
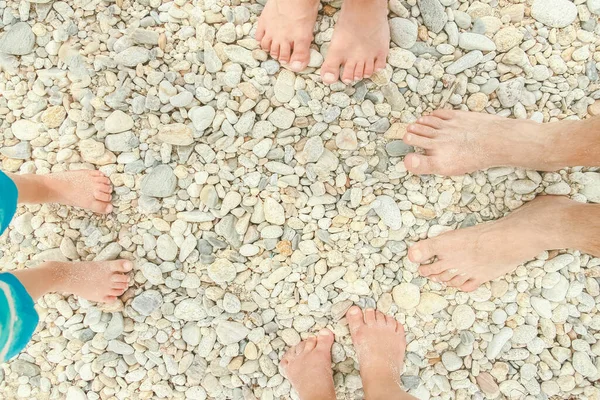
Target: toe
x,y
400,329
444,114
458,280
265,43
430,121
109,299
418,141
275,50
434,269
101,207
369,68
300,347
348,74
419,164
355,319
422,251
380,64
102,180
325,339
311,343
104,188
470,285
97,173
101,196
119,278
330,71
447,275
359,71
300,55
380,318
285,51
122,266
370,316
120,286
260,31
422,130
391,321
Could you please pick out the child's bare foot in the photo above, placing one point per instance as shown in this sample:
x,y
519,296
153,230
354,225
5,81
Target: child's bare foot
x,y
380,344
285,30
466,258
458,142
361,42
308,366
87,189
101,281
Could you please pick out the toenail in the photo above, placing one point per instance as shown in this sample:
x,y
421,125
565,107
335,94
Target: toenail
x,y
434,279
296,65
408,137
109,208
417,253
282,62
324,332
415,163
347,81
128,265
355,311
329,77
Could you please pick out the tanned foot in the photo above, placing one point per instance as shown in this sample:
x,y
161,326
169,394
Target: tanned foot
x,y
308,366
467,258
458,142
102,281
84,189
361,42
285,30
380,344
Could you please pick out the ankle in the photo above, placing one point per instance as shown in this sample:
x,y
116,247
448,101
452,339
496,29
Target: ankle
x,y
56,275
584,223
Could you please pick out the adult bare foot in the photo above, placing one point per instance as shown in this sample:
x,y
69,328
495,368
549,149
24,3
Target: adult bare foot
x,y
101,281
380,344
87,189
308,366
285,30
467,258
458,142
360,43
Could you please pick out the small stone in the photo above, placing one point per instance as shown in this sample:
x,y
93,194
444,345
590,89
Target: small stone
x,y
584,365
189,310
18,40
463,317
282,118
274,212
498,341
20,151
406,295
132,56
477,101
118,122
507,38
182,99
25,130
523,186
431,303
509,92
591,186
396,131
401,58
202,117
403,32
176,134
594,6
147,302
467,61
488,385
54,116
473,41
313,149
554,13
387,209
542,307
115,327
161,182
398,148
451,361
346,140
434,15
284,86
222,271
230,332
524,334
191,334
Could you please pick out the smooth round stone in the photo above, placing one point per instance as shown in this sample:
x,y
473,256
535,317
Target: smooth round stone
x,y
222,271
403,32
554,13
463,317
406,295
451,361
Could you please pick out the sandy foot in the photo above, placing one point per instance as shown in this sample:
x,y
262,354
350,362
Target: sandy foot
x,y
380,344
308,366
360,43
458,142
285,30
85,189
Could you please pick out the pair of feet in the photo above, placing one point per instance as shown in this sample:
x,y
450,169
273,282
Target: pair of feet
x,y
95,281
379,343
359,46
458,142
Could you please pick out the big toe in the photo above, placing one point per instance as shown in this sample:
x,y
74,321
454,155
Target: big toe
x,y
121,266
300,56
419,164
330,71
325,340
355,318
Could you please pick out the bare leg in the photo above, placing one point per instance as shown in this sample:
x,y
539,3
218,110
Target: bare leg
x,y
308,366
466,258
458,142
380,344
360,43
86,189
96,281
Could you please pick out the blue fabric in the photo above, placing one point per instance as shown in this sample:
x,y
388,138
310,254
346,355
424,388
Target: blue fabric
x,y
8,201
18,318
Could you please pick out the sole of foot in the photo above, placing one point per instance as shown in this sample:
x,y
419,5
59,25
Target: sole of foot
x,y
308,367
467,258
459,142
86,189
101,281
380,344
285,31
360,43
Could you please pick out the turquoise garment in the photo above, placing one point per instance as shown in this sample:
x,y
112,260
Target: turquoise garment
x,y
18,318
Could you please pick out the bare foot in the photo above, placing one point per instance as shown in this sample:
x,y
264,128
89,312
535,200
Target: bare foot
x,y
285,30
467,258
361,41
101,281
380,344
87,189
308,366
458,142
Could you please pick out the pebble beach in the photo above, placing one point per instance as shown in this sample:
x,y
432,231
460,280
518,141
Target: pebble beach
x,y
259,204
